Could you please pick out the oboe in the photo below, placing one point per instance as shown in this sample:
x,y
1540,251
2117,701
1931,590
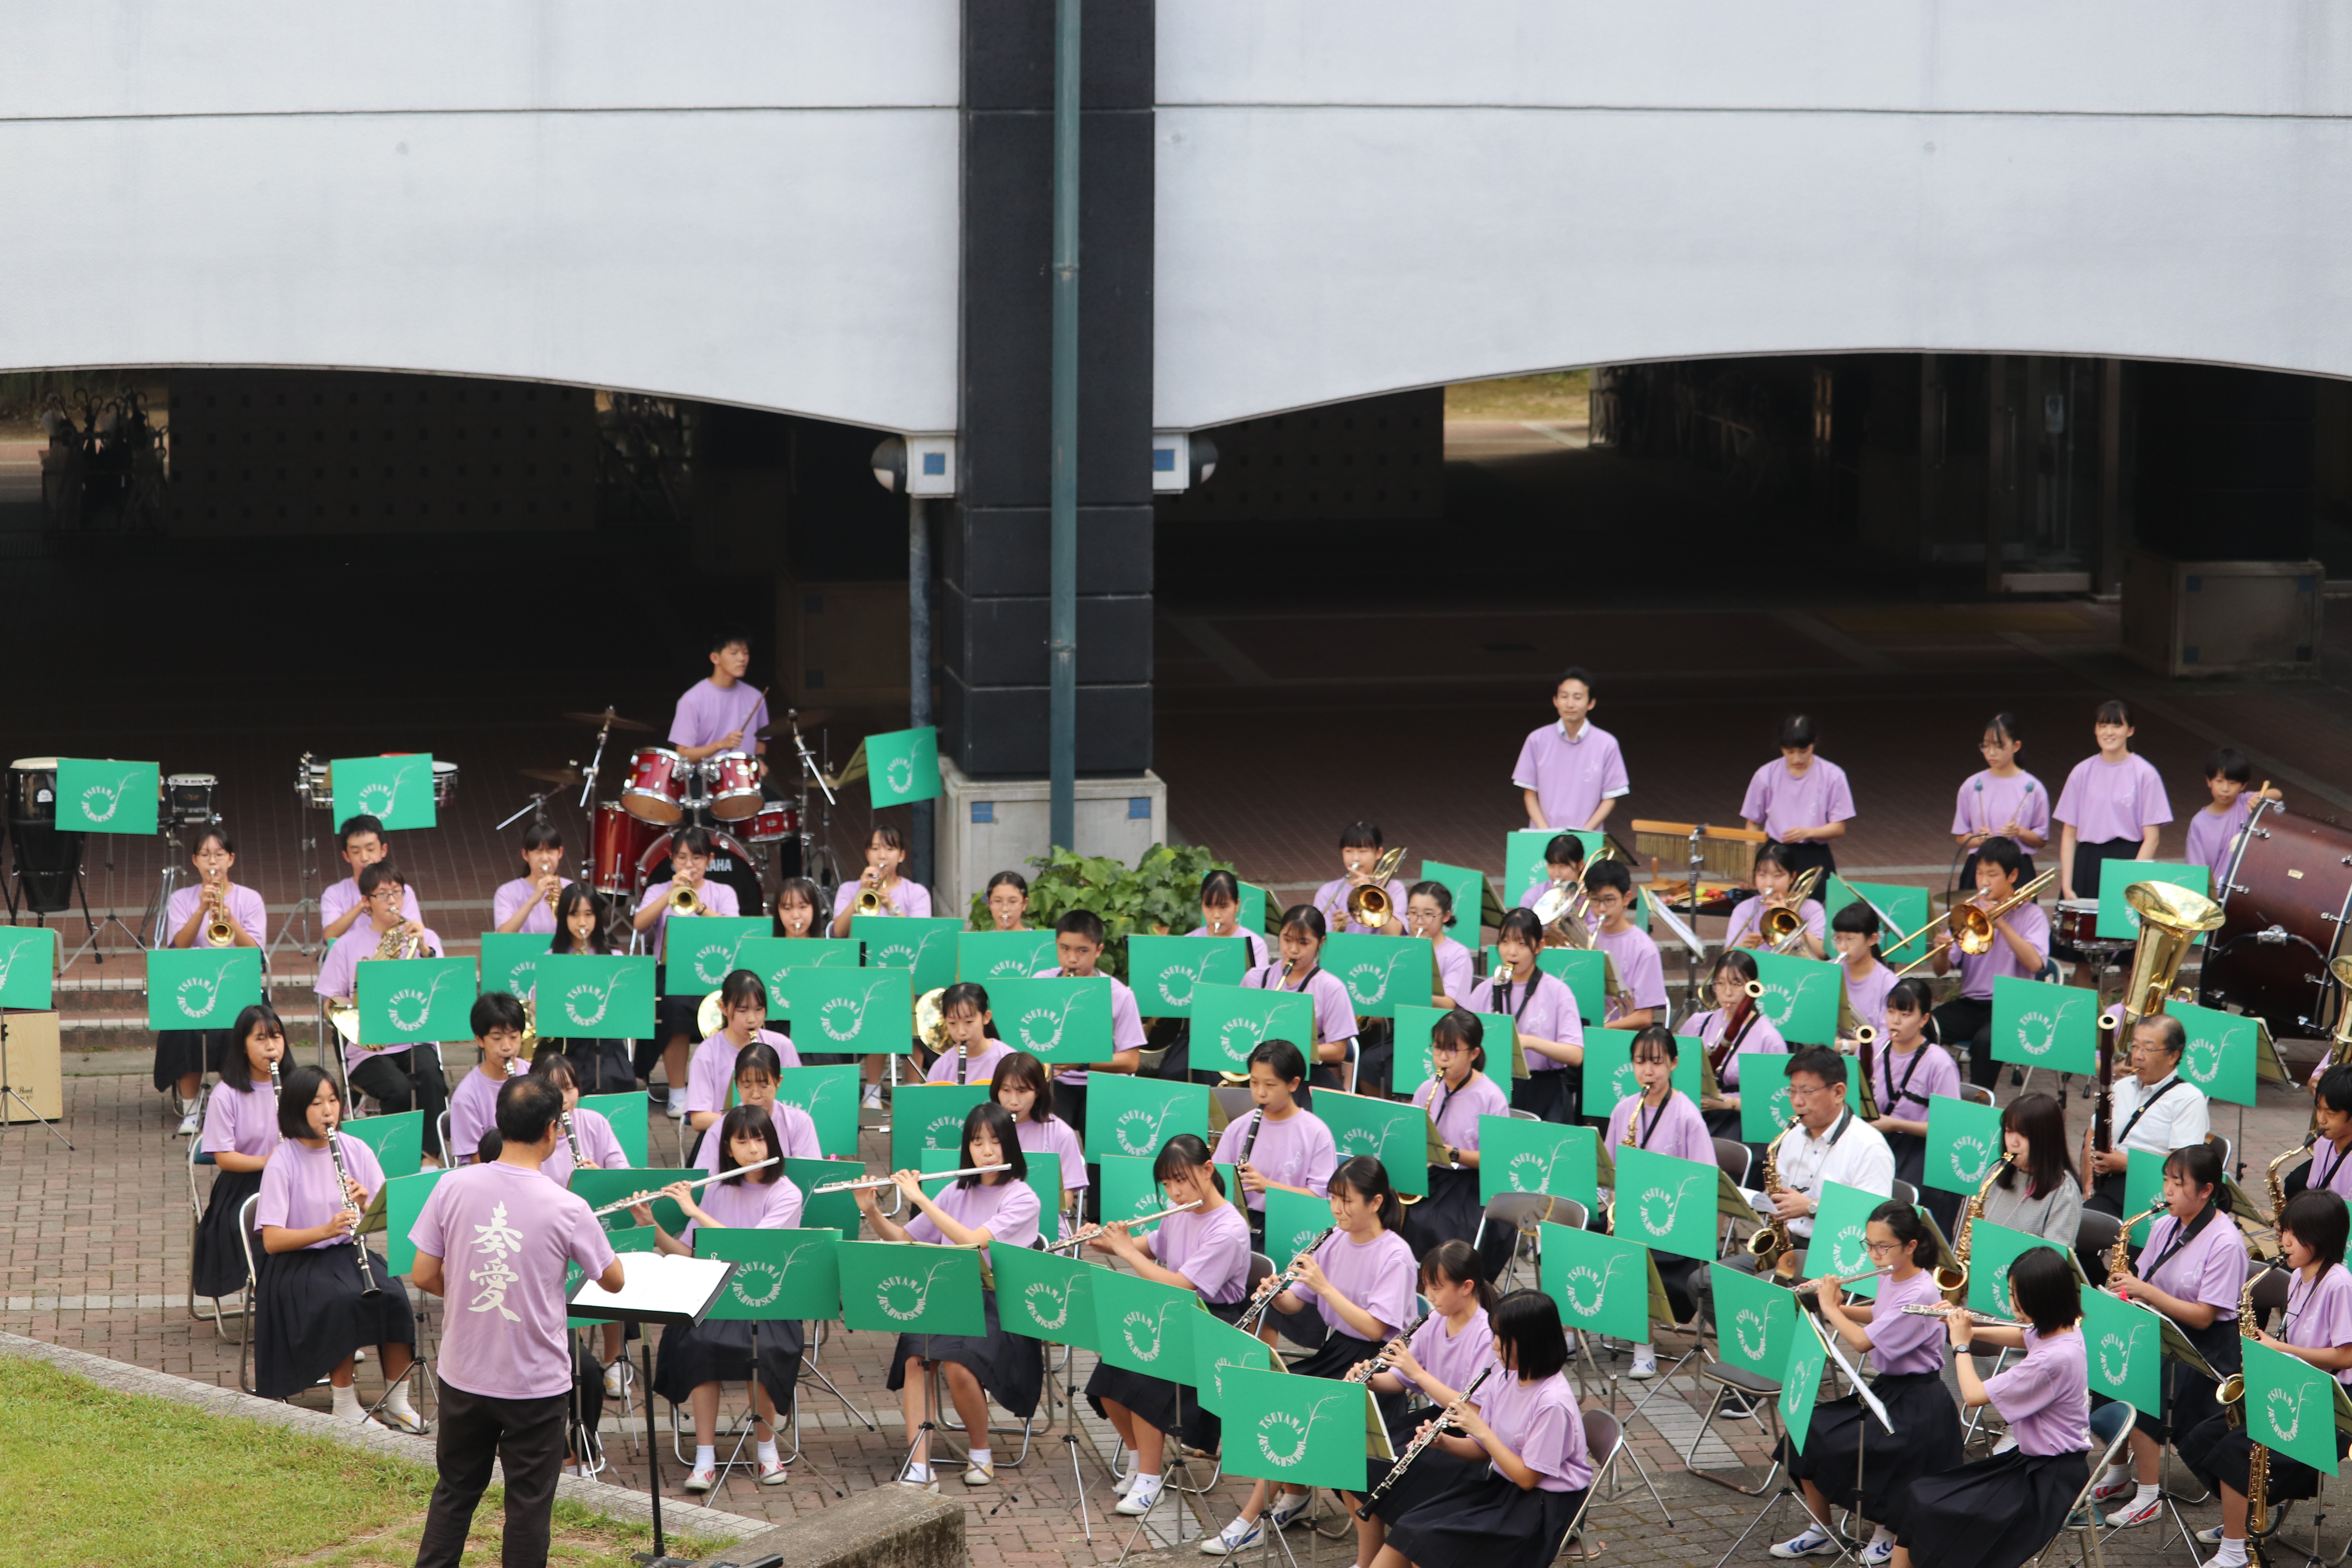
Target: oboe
x,y
1421,1440
1248,1320
1095,1230
368,1286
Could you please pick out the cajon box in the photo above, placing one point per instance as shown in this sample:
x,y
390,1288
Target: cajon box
x,y
33,1068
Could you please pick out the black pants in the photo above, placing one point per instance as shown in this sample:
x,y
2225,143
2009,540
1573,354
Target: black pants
x,y
526,1437
408,1080
1810,853
2090,857
1965,1020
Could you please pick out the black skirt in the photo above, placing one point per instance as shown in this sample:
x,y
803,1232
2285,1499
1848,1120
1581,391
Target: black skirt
x,y
1450,1212
2090,858
1549,1095
1011,1367
719,1350
1482,1520
2216,1451
309,1315
1336,1355
1995,1513
1925,1441
179,1052
1170,1406
602,1066
1433,1474
220,1260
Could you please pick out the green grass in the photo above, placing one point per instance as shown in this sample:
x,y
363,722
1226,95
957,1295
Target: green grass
x,y
87,1475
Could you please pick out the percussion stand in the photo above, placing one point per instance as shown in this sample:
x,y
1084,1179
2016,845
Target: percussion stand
x,y
536,806
8,1091
97,927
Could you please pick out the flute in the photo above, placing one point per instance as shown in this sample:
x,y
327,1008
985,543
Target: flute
x,y
1092,1231
874,1182
1920,1309
1421,1439
1844,1278
698,1180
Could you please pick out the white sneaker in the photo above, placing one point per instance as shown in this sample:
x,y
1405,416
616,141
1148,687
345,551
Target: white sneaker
x,y
617,1377
190,1125
980,1476
2136,1513
1288,1507
2108,1491
1141,1500
1815,1542
1877,1555
703,1480
872,1100
1126,1484
931,1486
1645,1367
1239,1536
674,1110
772,1473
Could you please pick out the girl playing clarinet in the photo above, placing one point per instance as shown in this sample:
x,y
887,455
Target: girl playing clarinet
x,y
240,1134
696,1359
1300,969
1351,1296
604,1064
972,1211
1429,915
312,1309
973,1048
1221,911
743,1003
1733,1025
2318,1329
1521,1468
1020,1083
1456,1095
1550,1029
1909,1353
182,1055
2191,1272
1281,1143
1207,1250
1998,1511
1661,1118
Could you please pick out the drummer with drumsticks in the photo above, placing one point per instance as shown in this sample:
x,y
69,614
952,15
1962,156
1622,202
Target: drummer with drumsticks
x,y
715,715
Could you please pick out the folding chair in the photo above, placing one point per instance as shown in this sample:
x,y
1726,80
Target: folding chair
x,y
244,1212
1604,1440
1975,1094
2111,1425
743,1427
195,1218
1763,1394
1522,1212
1903,1192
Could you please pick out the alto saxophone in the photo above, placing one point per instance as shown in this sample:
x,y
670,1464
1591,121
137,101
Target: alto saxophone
x,y
2119,1255
2272,1174
2232,1394
1772,1242
1954,1281
1632,1136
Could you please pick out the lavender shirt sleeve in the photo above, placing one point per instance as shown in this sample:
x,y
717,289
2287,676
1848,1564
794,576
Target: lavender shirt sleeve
x,y
1756,804
1523,772
2321,1317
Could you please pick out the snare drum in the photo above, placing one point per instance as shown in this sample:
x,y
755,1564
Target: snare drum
x,y
774,822
656,790
733,785
33,790
2077,924
444,781
188,799
620,839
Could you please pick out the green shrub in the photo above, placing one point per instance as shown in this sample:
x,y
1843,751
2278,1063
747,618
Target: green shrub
x,y
1162,896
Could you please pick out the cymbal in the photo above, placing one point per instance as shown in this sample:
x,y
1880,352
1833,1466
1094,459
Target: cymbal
x,y
557,776
599,720
806,716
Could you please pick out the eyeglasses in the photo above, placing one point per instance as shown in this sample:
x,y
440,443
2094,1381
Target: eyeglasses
x,y
1880,1249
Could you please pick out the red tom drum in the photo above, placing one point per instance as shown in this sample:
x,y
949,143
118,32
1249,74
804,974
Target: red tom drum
x,y
656,791
733,782
620,839
774,822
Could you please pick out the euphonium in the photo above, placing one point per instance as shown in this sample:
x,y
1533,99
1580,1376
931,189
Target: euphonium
x,y
1953,1281
1369,905
1780,927
684,900
1771,1239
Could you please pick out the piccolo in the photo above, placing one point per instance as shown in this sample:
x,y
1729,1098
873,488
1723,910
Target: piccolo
x,y
1095,1230
698,1180
1920,1309
872,1182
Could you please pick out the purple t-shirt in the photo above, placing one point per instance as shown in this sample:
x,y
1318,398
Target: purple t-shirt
x,y
1535,890
1904,1083
1903,1341
2211,837
1007,1211
1452,1359
2109,800
1057,1137
1332,898
911,900
706,714
2211,1267
299,1188
1978,972
1457,1115
1867,996
794,1131
1570,777
1639,969
2046,1397
241,1121
2319,1315
2331,1168
503,1235
1761,1036
597,1140
1335,1014
1545,1008
474,1110
1379,1276
512,896
339,969
1455,969
1296,1152
716,897
1988,804
747,1202
710,1071
1211,1250
1777,800
1541,1424
1676,1128
979,1067
1257,941
346,893
246,911
1745,918
1126,1023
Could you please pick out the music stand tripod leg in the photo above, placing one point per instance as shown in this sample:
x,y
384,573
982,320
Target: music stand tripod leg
x,y
9,1092
659,1556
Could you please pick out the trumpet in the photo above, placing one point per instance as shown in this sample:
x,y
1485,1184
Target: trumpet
x,y
218,931
1073,1242
1782,926
1370,904
684,901
635,1199
872,1182
554,896
1970,925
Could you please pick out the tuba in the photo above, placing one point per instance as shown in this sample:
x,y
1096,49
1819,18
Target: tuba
x,y
1370,905
2171,919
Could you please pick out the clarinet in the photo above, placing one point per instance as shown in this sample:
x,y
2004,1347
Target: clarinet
x,y
1365,1370
961,1066
1421,1439
1248,1320
369,1288
1249,1139
572,1136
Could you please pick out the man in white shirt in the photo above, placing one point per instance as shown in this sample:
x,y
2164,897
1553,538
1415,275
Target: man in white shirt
x,y
2153,1108
1831,1144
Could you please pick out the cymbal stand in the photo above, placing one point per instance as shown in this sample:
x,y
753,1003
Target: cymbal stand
x,y
819,839
98,927
595,764
1690,903
536,807
308,904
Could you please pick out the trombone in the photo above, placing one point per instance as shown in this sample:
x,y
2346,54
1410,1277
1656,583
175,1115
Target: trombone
x,y
1370,904
1781,926
1970,925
